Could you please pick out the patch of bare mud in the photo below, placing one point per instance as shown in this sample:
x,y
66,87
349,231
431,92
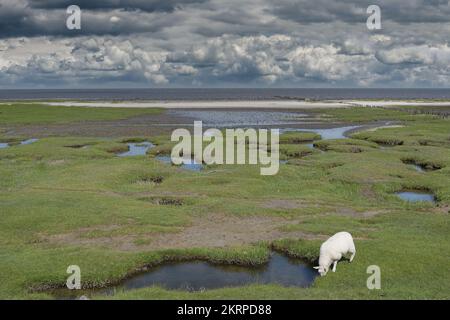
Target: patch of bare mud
x,y
285,204
215,230
353,213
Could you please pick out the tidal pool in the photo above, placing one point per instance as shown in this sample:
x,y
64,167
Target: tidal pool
x,y
415,196
201,275
29,141
137,149
422,167
24,142
193,166
198,275
326,134
220,119
417,168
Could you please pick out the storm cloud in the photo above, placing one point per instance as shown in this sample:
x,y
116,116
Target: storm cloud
x,y
224,43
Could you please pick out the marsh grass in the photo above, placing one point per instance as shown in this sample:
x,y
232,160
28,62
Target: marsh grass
x,y
49,191
33,113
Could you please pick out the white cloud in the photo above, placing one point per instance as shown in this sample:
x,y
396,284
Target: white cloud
x,y
214,42
114,19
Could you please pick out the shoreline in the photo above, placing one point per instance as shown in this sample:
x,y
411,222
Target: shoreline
x,y
242,104
213,104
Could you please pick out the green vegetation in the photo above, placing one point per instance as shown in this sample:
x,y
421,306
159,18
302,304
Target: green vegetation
x,y
345,145
298,137
295,151
31,113
71,200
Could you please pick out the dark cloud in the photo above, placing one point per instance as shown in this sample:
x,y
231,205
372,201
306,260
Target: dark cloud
x,y
17,20
354,11
126,5
217,42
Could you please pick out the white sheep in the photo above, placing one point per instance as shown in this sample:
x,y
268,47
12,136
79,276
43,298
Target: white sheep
x,y
332,250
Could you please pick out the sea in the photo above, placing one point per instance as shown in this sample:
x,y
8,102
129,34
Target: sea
x,y
222,94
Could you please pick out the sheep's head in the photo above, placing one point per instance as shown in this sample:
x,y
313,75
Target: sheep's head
x,y
322,270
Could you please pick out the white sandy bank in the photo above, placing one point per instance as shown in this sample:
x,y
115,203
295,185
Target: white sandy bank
x,y
392,103
272,104
275,104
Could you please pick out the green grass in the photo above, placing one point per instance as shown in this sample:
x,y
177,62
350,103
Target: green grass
x,y
49,190
345,145
298,137
35,113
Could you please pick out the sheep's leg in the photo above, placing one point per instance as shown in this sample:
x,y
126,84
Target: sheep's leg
x,y
334,266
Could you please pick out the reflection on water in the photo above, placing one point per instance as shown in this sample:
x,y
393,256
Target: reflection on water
x,y
29,141
137,149
220,119
193,166
200,275
24,142
417,168
416,196
326,134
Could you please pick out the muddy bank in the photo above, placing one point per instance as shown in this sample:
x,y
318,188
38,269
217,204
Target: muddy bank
x,y
215,230
167,121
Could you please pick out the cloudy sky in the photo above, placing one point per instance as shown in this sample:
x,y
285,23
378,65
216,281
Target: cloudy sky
x,y
224,43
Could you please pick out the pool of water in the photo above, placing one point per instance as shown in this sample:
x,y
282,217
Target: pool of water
x,y
326,134
417,168
200,275
29,141
193,166
24,142
137,149
220,119
412,196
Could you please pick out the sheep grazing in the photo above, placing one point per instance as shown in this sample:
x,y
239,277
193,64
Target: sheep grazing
x,y
332,250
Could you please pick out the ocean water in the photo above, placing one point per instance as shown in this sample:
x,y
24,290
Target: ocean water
x,y
223,94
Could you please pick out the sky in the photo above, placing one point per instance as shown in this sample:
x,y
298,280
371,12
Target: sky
x,y
224,43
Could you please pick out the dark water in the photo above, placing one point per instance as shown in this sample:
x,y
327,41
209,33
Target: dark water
x,y
137,149
199,275
193,166
224,94
416,196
